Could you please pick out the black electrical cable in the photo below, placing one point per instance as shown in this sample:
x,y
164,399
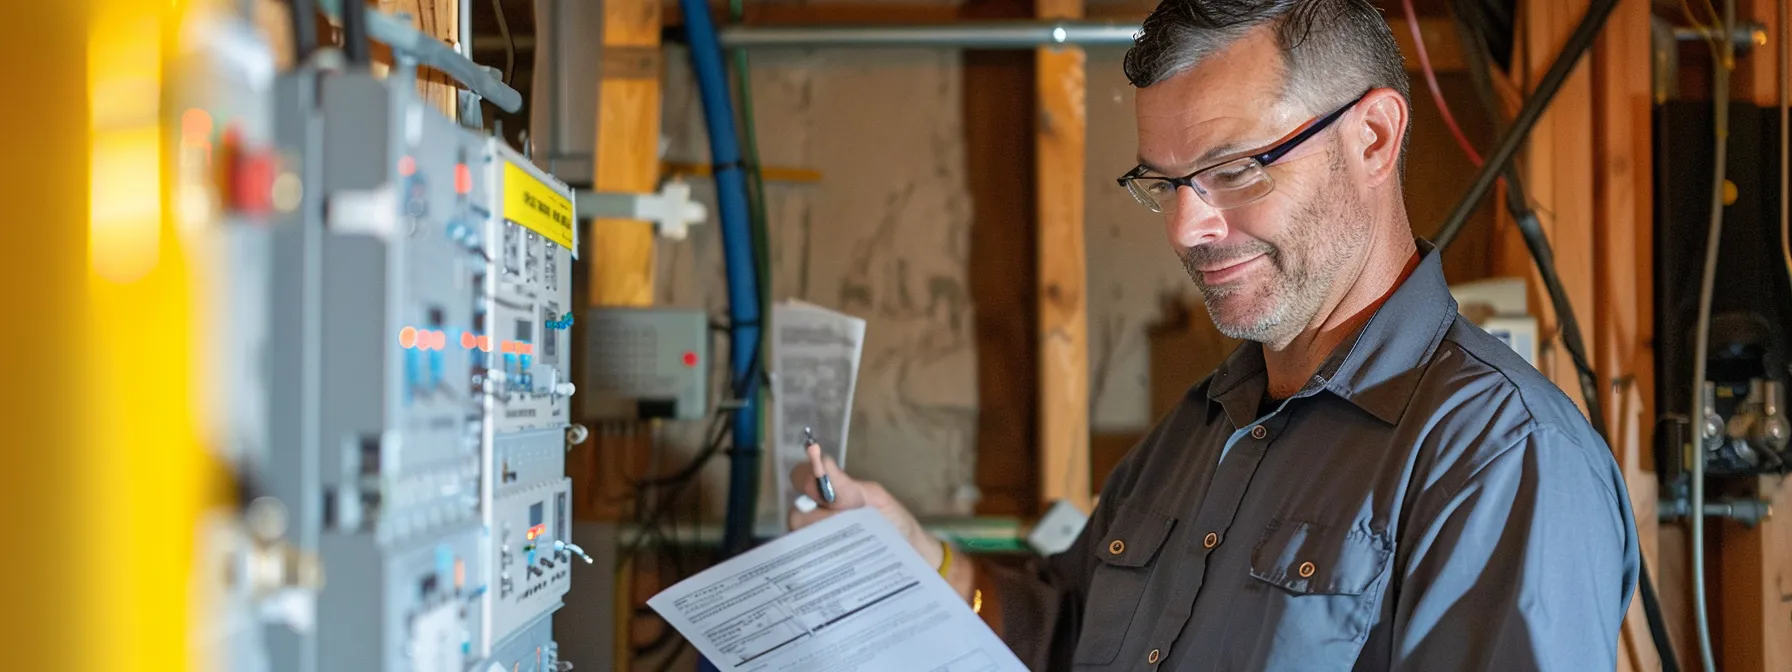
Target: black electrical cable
x,y
1577,46
304,28
1474,41
355,46
683,478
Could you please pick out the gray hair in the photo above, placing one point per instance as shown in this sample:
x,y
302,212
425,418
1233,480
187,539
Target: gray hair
x,y
1332,50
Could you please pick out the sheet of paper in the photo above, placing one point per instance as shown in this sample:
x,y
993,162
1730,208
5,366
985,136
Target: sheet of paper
x,y
847,593
815,368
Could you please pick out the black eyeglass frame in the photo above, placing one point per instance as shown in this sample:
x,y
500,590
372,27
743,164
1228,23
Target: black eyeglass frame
x,y
1263,159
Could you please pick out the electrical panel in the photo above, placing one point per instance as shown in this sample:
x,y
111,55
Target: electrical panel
x,y
522,368
1746,426
422,415
655,363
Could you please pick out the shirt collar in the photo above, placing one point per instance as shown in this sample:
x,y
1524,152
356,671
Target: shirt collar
x,y
1376,368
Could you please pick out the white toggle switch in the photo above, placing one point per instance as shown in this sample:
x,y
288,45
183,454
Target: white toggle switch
x,y
563,389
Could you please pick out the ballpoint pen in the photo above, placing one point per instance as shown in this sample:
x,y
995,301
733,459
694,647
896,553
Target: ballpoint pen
x,y
825,486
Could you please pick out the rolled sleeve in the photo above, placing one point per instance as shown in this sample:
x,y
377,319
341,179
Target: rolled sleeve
x,y
1527,564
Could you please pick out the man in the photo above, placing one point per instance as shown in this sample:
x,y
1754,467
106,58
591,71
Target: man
x,y
1371,483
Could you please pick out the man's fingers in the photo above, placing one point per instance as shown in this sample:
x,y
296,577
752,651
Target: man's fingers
x,y
848,493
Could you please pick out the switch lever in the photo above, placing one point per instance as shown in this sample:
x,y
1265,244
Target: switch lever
x,y
563,547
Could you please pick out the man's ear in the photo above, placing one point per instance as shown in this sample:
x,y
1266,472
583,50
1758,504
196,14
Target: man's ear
x,y
1383,118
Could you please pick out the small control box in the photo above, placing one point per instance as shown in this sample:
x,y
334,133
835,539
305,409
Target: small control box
x,y
647,363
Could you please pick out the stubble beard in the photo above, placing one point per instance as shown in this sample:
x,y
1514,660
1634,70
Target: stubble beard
x,y
1305,263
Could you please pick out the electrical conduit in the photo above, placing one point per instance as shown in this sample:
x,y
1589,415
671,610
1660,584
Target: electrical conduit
x,y
737,251
1720,97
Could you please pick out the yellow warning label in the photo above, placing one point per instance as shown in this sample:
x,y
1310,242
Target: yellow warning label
x,y
530,202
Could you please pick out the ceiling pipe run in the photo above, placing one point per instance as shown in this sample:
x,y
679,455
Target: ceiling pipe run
x,y
966,35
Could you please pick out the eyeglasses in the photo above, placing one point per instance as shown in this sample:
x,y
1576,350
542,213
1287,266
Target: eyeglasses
x,y
1227,185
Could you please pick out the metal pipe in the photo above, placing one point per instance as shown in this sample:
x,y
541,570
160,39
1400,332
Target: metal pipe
x,y
1020,35
1746,511
1745,36
429,51
463,41
1720,96
967,35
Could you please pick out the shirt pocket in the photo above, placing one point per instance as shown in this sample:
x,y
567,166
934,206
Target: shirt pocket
x,y
1125,561
1324,581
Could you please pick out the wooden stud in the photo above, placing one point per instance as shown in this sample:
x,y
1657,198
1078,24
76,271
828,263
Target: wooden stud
x,y
999,144
1622,323
621,255
1558,177
1059,139
439,19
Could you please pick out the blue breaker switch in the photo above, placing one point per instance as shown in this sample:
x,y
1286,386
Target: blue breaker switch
x,y
435,368
412,371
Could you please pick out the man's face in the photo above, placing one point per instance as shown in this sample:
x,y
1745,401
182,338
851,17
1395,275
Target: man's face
x,y
1265,269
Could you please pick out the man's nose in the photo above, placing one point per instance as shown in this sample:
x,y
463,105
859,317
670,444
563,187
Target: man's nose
x,y
1194,222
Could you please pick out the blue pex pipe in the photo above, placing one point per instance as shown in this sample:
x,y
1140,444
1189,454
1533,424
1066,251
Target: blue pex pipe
x,y
737,250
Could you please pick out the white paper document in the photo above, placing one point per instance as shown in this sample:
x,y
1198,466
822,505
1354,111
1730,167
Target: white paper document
x,y
847,593
815,368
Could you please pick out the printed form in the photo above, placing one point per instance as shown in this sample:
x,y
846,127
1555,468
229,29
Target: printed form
x,y
847,593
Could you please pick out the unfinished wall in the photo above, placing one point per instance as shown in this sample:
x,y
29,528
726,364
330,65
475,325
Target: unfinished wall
x,y
883,236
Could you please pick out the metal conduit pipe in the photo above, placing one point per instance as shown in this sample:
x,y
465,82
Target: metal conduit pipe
x,y
1749,512
967,35
1017,34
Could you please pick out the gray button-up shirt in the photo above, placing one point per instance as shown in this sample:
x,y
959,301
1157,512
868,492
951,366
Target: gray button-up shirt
x,y
1429,501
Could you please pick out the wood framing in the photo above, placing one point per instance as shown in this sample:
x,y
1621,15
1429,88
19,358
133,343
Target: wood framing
x,y
1060,137
618,257
1621,324
1558,176
439,19
621,254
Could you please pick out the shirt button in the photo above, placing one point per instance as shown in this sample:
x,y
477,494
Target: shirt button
x,y
1211,540
1117,547
1306,569
1153,656
1259,432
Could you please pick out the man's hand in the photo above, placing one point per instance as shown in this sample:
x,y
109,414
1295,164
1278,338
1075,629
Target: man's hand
x,y
852,494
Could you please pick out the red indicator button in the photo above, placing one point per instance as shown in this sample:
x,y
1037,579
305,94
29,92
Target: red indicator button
x,y
463,179
690,358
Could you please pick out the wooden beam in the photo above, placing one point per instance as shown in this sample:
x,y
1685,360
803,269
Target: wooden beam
x,y
1059,139
628,136
439,19
999,145
618,258
1622,323
1558,176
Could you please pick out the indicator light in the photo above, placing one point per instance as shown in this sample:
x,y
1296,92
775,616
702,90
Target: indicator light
x,y
407,337
407,166
690,359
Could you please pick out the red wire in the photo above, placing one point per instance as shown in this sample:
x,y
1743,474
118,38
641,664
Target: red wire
x,y
1437,94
